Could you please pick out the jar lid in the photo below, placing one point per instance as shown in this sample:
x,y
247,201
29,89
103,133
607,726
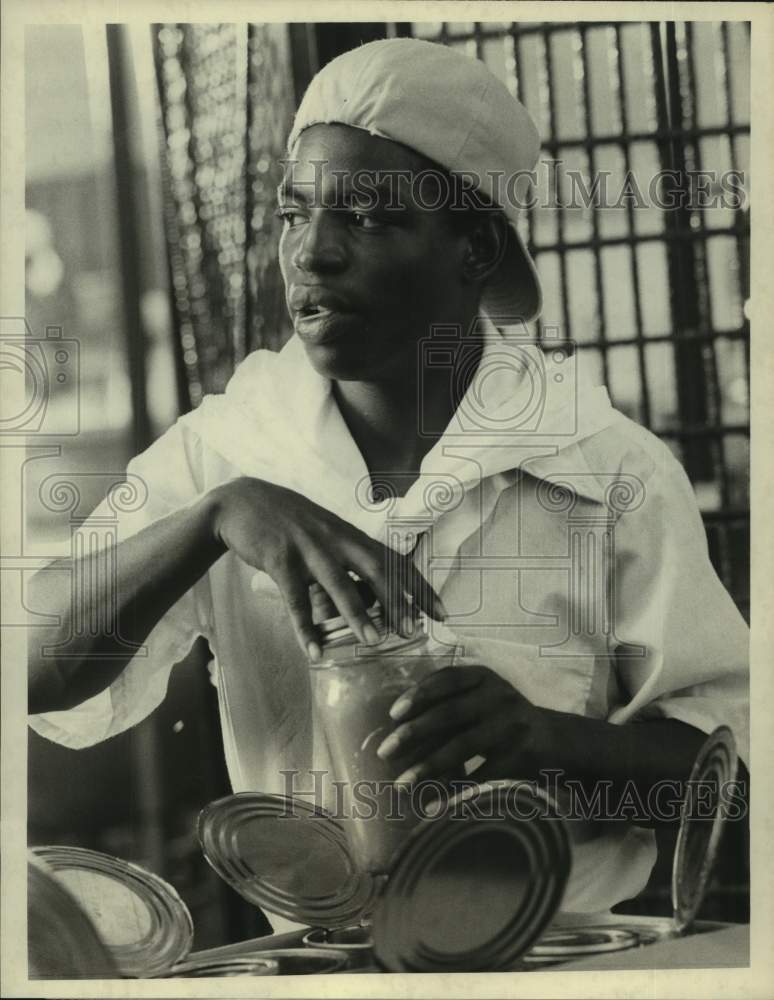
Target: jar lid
x,y
701,824
63,943
141,920
337,631
475,885
286,856
333,626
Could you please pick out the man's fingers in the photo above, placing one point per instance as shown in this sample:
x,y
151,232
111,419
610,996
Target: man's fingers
x,y
344,593
437,687
400,587
402,612
383,570
295,592
424,595
430,727
398,614
497,739
450,756
410,590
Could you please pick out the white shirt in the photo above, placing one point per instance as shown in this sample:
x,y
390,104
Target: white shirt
x,y
521,562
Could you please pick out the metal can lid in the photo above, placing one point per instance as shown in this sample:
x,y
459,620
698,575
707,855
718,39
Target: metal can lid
x,y
475,885
286,856
219,968
348,939
140,918
701,824
63,942
568,942
306,961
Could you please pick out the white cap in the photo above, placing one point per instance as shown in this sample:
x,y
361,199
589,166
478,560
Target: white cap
x,y
453,110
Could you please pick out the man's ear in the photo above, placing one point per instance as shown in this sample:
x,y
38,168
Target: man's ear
x,y
487,239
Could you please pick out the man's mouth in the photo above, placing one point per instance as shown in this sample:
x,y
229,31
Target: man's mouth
x,y
317,312
306,299
319,325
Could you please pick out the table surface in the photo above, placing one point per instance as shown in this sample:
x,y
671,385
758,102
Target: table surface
x,y
716,946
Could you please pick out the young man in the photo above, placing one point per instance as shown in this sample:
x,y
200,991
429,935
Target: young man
x,y
559,542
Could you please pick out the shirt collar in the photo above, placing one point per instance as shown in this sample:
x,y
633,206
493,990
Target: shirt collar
x,y
524,408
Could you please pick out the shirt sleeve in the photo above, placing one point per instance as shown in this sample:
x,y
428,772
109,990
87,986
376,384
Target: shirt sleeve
x,y
164,478
681,647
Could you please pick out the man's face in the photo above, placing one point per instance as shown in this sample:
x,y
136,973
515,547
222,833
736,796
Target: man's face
x,y
367,269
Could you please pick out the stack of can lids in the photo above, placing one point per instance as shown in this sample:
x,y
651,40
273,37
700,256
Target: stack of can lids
x,y
95,916
471,889
467,892
460,896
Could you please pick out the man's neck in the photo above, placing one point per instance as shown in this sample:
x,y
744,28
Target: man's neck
x,y
395,422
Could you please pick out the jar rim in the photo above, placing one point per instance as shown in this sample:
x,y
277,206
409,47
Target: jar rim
x,y
391,645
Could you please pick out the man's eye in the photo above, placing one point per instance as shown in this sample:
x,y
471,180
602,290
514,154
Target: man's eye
x,y
289,216
364,221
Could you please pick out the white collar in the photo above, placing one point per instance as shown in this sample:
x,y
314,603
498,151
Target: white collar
x,y
515,414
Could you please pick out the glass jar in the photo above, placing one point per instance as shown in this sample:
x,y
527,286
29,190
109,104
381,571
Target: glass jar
x,y
354,686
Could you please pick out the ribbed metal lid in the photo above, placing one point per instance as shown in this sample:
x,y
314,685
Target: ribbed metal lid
x,y
139,917
560,944
307,961
336,630
219,968
473,889
701,825
286,856
63,942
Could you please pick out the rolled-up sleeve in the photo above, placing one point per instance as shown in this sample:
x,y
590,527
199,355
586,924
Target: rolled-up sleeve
x,y
168,478
680,645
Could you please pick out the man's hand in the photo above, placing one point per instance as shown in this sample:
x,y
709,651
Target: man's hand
x,y
297,543
463,712
458,713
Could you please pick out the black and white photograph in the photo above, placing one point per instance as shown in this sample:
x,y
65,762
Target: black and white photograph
x,y
376,443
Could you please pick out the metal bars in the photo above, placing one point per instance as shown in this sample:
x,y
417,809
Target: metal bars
x,y
592,166
652,295
226,101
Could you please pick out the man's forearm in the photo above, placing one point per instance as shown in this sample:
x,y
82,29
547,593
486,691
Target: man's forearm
x,y
153,569
628,762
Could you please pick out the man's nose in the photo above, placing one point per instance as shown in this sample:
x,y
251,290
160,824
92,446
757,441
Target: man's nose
x,y
321,248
